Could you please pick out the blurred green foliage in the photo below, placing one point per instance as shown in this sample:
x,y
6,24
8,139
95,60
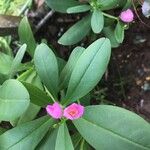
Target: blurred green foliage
x,y
14,7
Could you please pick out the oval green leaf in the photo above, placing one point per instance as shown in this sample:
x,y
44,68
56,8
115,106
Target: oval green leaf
x,y
66,72
30,77
77,32
110,4
26,35
119,32
97,21
17,60
109,33
37,96
48,141
89,69
28,115
63,139
47,67
78,9
5,63
26,136
109,127
14,100
61,5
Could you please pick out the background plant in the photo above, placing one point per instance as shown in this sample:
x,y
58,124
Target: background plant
x,y
99,17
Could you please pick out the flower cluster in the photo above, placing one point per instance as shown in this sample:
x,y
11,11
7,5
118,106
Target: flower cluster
x,y
73,111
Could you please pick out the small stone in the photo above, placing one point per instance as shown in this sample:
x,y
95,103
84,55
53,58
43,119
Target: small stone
x,y
139,39
146,87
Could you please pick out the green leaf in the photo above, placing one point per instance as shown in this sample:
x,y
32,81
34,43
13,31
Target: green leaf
x,y
26,36
3,78
119,32
5,41
31,76
37,96
28,115
25,66
77,32
2,130
89,69
79,143
27,75
76,139
63,139
47,67
127,5
5,62
109,33
85,101
57,139
97,21
123,129
61,64
78,9
26,136
66,72
84,146
110,4
48,141
33,84
61,5
17,60
14,100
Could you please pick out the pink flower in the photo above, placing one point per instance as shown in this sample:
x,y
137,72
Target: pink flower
x,y
55,110
73,111
127,16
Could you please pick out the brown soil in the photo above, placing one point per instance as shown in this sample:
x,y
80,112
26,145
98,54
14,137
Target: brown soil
x,y
132,64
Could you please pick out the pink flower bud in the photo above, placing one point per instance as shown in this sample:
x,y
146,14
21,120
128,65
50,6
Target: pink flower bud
x,y
55,110
73,111
127,16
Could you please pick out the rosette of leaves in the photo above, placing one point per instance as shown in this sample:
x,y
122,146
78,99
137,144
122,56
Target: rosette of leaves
x,y
97,18
101,127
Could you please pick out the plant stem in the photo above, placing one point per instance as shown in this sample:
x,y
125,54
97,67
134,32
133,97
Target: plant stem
x,y
63,120
110,16
78,101
82,144
51,96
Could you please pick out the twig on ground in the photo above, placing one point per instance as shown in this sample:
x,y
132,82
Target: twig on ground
x,y
44,20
